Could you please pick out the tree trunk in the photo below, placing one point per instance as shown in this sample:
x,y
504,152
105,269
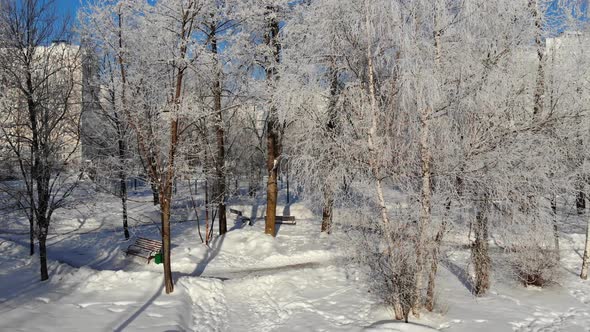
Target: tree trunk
x,y
166,199
288,194
327,210
253,182
166,193
168,177
540,86
586,258
434,262
399,312
165,210
271,186
155,194
555,229
43,252
480,251
220,135
207,224
123,182
371,136
433,269
328,206
581,201
272,137
425,202
122,177
32,232
426,196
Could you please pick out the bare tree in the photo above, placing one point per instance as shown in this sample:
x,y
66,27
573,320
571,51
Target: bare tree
x,y
148,85
106,136
44,79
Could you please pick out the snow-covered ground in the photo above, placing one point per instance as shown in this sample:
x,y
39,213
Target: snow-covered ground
x,y
246,281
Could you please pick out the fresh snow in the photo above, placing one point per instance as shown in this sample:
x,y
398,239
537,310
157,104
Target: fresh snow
x,y
247,281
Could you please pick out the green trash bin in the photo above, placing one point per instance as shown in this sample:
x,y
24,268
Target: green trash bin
x,y
158,258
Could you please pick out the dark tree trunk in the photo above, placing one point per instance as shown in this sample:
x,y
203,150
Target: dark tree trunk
x,y
581,202
539,42
167,186
271,187
32,233
43,218
288,193
155,194
207,224
41,175
480,251
555,228
220,188
43,252
328,205
122,175
254,180
251,187
165,210
327,210
272,136
222,217
166,197
123,183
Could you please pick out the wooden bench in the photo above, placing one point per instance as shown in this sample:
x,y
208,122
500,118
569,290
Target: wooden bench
x,y
146,248
285,220
240,215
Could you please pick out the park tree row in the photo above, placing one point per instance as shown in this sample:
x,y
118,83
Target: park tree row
x,y
403,121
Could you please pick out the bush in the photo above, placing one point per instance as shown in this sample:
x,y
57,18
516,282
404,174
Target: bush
x,y
535,266
388,253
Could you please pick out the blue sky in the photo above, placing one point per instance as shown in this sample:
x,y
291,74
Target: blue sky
x,y
68,7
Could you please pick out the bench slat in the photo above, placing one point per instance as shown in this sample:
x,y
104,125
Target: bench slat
x,y
145,246
148,248
284,218
157,243
286,222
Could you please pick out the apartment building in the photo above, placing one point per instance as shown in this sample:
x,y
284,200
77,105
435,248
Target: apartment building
x,y
56,79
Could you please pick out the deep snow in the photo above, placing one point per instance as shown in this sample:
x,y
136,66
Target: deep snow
x,y
246,281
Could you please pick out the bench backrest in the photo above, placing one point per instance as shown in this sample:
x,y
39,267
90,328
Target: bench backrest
x,y
148,243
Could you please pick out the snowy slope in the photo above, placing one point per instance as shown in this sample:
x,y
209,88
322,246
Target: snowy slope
x,y
247,281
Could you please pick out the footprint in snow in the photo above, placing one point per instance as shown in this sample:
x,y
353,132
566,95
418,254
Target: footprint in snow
x,y
581,296
116,310
162,303
42,299
450,323
86,305
154,315
123,303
